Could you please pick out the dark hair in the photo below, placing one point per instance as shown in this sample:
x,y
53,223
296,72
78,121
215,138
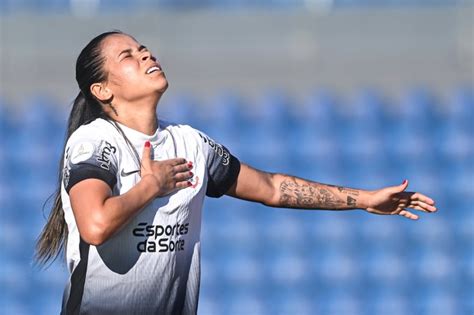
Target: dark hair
x,y
86,108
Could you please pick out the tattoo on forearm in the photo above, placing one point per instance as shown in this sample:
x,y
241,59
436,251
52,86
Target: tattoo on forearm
x,y
308,195
303,194
348,191
351,202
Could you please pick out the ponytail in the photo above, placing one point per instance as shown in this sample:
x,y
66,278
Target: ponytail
x,y
54,235
86,108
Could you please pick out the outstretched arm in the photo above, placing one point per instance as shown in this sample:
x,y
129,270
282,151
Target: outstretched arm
x,y
279,190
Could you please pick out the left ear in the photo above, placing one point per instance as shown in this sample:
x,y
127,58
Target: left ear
x,y
101,92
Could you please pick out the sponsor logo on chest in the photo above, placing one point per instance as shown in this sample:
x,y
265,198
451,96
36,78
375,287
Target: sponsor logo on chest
x,y
160,238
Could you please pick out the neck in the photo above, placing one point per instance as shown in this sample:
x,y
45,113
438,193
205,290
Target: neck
x,y
139,115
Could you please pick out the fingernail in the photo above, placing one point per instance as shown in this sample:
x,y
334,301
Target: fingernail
x,y
190,164
190,184
404,182
147,144
191,174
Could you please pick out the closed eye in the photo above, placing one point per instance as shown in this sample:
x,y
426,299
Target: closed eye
x,y
128,52
125,56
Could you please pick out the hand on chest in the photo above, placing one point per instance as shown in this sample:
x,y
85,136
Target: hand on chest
x,y
129,174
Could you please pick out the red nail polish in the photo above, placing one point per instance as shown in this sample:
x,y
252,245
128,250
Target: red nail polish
x,y
190,164
191,174
404,182
147,144
190,184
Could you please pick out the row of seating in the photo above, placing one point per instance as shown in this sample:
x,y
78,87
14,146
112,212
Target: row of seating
x,y
259,260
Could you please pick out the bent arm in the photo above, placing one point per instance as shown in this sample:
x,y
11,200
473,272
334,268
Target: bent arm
x,y
99,215
279,190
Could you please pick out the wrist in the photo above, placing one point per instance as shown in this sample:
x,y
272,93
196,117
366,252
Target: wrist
x,y
363,201
151,184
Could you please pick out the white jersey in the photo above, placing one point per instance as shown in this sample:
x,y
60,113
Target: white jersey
x,y
152,264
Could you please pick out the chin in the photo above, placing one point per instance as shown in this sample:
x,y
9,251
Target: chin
x,y
162,86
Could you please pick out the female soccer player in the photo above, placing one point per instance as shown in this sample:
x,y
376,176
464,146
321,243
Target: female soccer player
x,y
128,206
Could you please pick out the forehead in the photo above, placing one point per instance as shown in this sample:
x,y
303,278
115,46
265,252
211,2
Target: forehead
x,y
116,43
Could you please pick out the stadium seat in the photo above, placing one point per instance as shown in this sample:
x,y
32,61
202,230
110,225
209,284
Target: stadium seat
x,y
460,108
321,111
261,260
180,109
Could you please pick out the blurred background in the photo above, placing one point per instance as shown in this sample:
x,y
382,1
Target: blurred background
x,y
359,93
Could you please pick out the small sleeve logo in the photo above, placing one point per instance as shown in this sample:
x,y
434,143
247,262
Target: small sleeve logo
x,y
105,151
82,152
218,148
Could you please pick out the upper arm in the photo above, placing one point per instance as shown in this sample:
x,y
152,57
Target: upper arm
x,y
89,176
253,185
87,199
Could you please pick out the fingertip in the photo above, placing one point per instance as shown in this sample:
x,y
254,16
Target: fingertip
x,y
147,144
405,184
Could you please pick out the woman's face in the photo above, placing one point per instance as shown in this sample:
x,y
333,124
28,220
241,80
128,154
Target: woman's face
x,y
133,72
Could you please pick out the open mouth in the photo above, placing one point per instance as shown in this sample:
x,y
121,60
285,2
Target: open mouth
x,y
153,69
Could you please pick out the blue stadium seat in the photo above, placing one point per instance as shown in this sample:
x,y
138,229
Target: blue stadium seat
x,y
15,276
385,300
181,109
367,112
5,117
278,261
339,301
229,111
419,110
274,116
292,303
436,300
321,111
460,110
408,143
245,302
454,149
227,121
42,119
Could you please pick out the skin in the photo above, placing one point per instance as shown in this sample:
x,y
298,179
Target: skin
x,y
130,96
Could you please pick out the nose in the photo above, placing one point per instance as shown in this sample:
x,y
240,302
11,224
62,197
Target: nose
x,y
147,55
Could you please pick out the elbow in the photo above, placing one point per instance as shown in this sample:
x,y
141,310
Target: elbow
x,y
272,201
96,233
93,239
272,196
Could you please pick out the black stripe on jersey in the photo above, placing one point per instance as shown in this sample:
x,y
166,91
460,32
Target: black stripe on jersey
x,y
85,171
78,279
223,178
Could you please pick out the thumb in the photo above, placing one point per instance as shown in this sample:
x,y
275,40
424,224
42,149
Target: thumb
x,y
403,186
146,152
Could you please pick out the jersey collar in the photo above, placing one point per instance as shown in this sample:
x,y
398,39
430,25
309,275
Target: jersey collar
x,y
139,137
